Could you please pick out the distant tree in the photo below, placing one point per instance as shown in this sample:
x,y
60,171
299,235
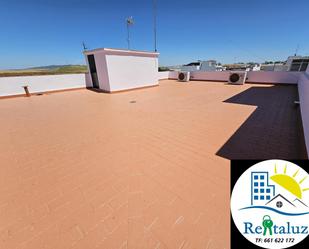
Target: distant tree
x,y
162,69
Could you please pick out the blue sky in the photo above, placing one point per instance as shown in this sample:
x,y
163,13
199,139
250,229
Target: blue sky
x,y
35,33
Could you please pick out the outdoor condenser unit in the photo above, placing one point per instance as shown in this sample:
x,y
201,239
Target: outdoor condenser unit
x,y
184,76
237,78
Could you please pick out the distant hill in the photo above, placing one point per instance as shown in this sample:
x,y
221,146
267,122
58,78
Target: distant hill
x,y
53,67
45,70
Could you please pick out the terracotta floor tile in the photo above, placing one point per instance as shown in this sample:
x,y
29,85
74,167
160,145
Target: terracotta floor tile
x,y
85,170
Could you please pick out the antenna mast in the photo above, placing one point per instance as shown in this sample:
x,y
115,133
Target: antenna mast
x,y
155,24
84,46
129,22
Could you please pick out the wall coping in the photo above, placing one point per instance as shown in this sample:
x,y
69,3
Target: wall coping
x,y
124,52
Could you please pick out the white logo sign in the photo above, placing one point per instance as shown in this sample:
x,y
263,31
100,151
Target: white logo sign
x,y
270,204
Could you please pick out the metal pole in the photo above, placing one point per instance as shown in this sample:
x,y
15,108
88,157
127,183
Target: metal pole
x,y
155,24
128,38
129,21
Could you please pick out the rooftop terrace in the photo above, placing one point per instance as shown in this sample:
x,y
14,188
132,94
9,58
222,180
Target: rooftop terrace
x,y
87,170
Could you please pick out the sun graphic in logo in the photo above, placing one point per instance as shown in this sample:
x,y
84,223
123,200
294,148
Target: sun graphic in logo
x,y
289,182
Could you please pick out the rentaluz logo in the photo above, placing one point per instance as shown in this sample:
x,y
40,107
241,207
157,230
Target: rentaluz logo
x,y
269,204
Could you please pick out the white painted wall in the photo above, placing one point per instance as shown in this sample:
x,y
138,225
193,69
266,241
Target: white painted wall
x,y
273,77
253,76
303,91
215,76
14,85
163,75
173,75
129,72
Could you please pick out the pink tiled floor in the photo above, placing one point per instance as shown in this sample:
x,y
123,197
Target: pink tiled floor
x,y
87,170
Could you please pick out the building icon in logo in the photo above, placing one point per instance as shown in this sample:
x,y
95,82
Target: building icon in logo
x,y
261,190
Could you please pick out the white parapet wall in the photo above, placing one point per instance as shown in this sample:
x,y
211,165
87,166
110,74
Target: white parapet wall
x,y
10,86
115,70
303,92
163,75
211,76
14,85
173,74
273,77
253,76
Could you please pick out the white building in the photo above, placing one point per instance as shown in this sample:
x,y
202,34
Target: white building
x,y
256,67
205,66
297,63
191,67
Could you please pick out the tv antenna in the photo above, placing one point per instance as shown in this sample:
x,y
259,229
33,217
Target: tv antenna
x,y
129,22
84,46
155,24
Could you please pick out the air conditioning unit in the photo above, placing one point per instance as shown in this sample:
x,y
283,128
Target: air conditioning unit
x,y
183,76
237,78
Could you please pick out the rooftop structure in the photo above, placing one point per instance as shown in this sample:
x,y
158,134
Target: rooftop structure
x,y
293,63
204,66
85,170
297,63
138,69
276,67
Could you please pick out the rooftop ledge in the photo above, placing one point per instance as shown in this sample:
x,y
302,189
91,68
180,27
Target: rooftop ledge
x,y
118,51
